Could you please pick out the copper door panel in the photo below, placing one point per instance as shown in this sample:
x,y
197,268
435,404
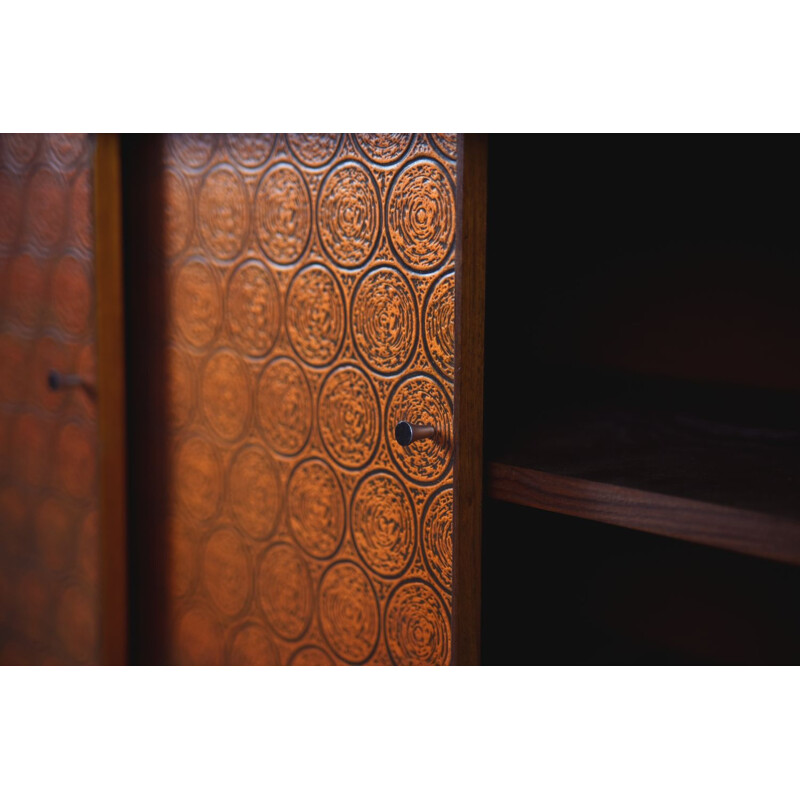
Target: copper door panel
x,y
49,600
309,308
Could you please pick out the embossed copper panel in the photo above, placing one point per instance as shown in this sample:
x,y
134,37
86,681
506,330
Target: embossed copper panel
x,y
48,440
310,307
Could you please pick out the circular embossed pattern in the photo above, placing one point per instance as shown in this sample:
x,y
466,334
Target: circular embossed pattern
x,y
284,406
255,491
285,591
421,215
71,296
226,571
30,452
348,612
446,144
180,387
76,460
311,656
421,401
348,216
46,214
196,304
315,316
252,646
384,148
67,148
192,149
417,626
283,213
251,150
199,638
77,624
225,394
14,368
81,210
222,212
440,325
25,290
198,478
316,508
383,320
20,148
178,213
182,557
253,309
383,524
437,537
313,149
349,417
10,208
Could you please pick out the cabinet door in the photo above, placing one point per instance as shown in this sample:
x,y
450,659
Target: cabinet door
x,y
304,303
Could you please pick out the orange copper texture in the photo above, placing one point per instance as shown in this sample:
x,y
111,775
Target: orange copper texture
x,y
49,554
310,309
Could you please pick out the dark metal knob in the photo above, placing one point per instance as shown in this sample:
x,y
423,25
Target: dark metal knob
x,y
405,433
58,380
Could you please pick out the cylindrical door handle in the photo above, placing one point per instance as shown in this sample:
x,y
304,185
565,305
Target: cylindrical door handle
x,y
405,432
59,380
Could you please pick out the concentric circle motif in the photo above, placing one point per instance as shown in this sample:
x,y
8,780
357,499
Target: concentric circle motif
x,y
180,387
446,144
421,401
182,558
76,460
313,149
225,394
77,624
46,214
14,368
80,203
252,646
197,478
285,591
417,626
251,150
67,148
348,216
284,406
315,315
25,290
193,150
178,213
198,638
226,571
310,656
223,212
10,208
383,320
31,448
71,296
440,325
255,491
20,148
316,508
348,612
253,310
437,537
283,214
383,524
349,417
421,215
196,303
384,148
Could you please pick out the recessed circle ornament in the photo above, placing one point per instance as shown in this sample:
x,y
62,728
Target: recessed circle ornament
x,y
193,150
255,491
198,638
253,309
349,615
80,203
67,148
252,646
25,290
21,147
46,214
316,508
313,149
311,656
284,406
420,399
250,150
437,537
383,320
315,315
10,208
348,215
383,523
226,571
421,215
223,212
196,303
283,214
225,394
180,387
349,417
198,478
285,591
178,213
76,460
71,296
182,556
384,148
439,325
446,144
417,626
